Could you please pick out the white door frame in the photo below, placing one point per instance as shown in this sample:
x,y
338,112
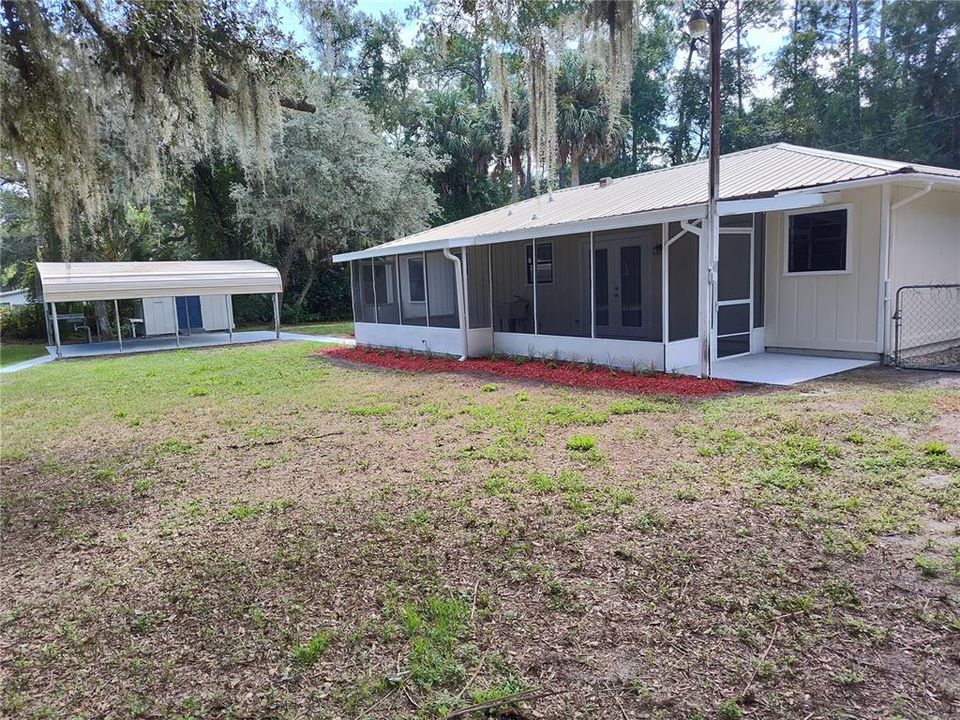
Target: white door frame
x,y
717,303
615,292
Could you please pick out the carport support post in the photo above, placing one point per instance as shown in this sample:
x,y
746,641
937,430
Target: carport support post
x,y
56,328
276,314
176,322
226,306
116,310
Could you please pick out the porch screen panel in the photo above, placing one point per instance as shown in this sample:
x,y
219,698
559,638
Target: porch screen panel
x,y
365,307
478,285
441,291
563,293
413,288
385,285
512,294
683,293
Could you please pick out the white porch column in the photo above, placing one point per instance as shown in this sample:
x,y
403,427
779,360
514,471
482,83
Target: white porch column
x,y
176,322
276,313
227,303
705,278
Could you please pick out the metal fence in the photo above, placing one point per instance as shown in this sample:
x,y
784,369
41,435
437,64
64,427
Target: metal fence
x,y
927,327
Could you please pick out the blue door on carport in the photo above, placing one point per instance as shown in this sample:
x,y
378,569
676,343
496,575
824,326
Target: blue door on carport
x,y
188,313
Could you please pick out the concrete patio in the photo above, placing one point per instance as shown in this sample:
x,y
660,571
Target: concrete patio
x,y
167,342
782,368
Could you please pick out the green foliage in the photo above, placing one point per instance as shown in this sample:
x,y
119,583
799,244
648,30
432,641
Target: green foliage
x,y
582,443
434,630
22,322
306,654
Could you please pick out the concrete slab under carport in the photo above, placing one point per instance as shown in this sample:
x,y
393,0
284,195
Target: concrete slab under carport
x,y
781,368
166,342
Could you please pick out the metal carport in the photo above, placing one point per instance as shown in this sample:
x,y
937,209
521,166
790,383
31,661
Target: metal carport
x,y
82,281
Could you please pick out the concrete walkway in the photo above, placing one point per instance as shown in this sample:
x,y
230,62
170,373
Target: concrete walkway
x,y
159,344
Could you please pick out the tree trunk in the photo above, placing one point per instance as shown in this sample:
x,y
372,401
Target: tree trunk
x,y
102,316
574,169
286,263
855,59
739,31
302,295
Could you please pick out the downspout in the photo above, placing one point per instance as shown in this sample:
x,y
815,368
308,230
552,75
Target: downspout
x,y
888,260
461,305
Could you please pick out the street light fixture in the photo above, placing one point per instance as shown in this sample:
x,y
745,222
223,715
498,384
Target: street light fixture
x,y
699,24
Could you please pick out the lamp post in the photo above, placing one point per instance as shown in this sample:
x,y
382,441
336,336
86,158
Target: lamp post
x,y
699,24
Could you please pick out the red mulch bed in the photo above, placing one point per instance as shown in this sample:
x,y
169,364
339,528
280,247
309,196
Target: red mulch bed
x,y
561,373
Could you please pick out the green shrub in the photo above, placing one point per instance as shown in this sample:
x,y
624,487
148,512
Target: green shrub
x,y
22,322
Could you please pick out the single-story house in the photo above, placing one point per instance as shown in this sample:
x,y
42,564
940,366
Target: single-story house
x,y
812,248
11,298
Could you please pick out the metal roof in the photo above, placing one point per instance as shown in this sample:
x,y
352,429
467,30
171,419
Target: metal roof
x,y
757,173
63,282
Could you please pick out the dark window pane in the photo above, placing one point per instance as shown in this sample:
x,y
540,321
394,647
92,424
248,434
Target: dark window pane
x,y
733,319
601,291
630,313
733,345
818,242
418,290
733,268
544,263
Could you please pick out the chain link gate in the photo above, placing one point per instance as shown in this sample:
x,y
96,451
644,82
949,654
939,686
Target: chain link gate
x,y
927,327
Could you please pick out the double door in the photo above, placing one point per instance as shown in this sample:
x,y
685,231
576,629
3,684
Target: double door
x,y
622,304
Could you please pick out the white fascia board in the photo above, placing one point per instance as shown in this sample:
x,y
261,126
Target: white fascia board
x,y
414,247
614,222
894,178
777,202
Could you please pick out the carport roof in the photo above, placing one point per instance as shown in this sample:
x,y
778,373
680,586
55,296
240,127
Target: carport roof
x,y
65,282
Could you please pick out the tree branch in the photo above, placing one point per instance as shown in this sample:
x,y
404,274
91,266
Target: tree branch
x,y
215,84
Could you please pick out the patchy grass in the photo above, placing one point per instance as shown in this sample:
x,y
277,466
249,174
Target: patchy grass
x,y
385,545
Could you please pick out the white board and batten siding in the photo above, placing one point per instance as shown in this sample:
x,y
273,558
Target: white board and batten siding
x,y
925,250
827,311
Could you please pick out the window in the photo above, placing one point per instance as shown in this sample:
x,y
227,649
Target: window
x,y
817,242
418,288
544,263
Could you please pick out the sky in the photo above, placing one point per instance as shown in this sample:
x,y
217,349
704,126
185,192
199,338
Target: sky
x,y
766,41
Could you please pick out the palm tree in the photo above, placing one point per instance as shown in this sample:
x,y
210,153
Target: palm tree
x,y
584,127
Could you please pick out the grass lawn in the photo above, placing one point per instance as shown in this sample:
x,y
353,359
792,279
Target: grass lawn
x,y
261,532
341,327
12,353
338,327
